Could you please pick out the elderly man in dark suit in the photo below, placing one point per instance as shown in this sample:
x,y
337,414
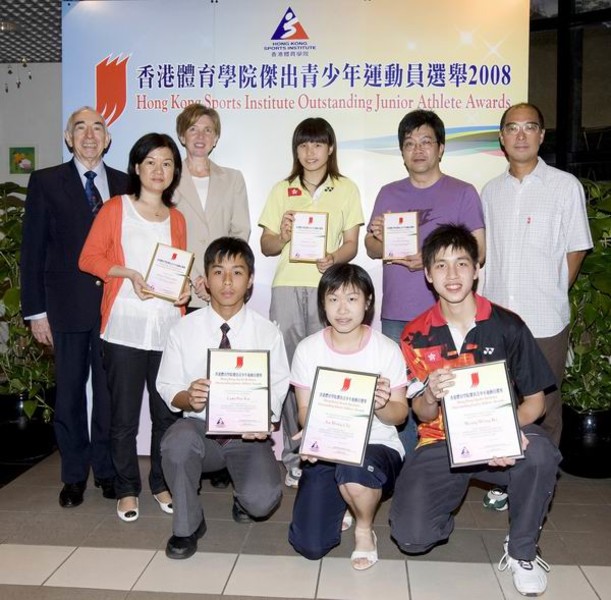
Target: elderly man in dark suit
x,y
62,304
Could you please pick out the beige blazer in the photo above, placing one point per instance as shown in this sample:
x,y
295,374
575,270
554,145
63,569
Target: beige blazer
x,y
226,213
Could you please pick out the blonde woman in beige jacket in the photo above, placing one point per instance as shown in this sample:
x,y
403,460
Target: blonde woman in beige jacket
x,y
212,198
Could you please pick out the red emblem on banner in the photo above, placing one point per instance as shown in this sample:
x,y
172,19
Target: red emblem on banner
x,y
111,88
294,191
474,379
239,362
310,220
174,255
400,220
346,385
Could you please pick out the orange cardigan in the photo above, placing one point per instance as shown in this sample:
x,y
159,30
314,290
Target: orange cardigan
x,y
103,250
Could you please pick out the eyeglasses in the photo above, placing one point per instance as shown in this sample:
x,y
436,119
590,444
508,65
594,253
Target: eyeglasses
x,y
528,127
425,144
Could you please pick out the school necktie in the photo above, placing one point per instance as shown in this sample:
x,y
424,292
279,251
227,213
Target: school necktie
x,y
225,343
93,194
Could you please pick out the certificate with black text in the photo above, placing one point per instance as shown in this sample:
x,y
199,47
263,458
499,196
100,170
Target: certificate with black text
x,y
239,394
480,415
168,272
339,416
308,237
400,235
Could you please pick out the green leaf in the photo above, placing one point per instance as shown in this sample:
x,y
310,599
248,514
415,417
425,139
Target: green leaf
x,y
29,407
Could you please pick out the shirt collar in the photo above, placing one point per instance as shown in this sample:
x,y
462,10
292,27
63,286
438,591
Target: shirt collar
x,y
328,183
483,310
82,169
235,323
540,171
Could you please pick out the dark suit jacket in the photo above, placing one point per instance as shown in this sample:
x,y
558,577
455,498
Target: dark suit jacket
x,y
57,221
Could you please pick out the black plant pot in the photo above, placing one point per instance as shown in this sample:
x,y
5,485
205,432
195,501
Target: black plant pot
x,y
24,440
586,443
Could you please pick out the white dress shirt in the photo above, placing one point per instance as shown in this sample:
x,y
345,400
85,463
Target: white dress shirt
x,y
530,228
185,357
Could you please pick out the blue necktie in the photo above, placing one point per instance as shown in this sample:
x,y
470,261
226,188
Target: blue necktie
x,y
92,193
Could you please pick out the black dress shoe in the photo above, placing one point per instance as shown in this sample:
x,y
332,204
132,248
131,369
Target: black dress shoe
x,y
185,547
239,514
72,494
108,487
220,479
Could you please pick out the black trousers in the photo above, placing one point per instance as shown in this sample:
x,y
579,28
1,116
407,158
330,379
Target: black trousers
x,y
128,369
75,354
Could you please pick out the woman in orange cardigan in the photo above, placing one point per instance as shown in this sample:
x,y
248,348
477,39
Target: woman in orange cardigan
x,y
135,324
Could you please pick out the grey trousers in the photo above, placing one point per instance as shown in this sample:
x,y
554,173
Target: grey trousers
x,y
554,349
427,493
295,310
187,453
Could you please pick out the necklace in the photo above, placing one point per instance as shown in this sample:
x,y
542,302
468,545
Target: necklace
x,y
311,183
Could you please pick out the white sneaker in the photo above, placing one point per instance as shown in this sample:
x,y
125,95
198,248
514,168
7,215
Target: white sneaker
x,y
293,475
529,576
496,499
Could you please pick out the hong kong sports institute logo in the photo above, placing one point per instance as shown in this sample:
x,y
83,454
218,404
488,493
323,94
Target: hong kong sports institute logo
x,y
290,37
289,28
111,88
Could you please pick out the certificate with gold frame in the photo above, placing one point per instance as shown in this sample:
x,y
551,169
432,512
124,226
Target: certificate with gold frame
x,y
309,237
400,235
339,416
480,415
168,272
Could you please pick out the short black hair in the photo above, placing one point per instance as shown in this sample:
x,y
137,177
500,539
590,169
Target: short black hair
x,y
346,275
453,236
230,247
140,150
416,119
524,105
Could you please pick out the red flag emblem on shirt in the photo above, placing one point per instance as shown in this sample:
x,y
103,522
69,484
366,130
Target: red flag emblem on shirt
x,y
239,362
111,88
294,191
346,385
474,379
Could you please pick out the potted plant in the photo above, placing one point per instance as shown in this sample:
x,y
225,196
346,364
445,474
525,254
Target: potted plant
x,y
586,390
26,367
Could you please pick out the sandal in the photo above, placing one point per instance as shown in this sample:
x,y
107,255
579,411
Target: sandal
x,y
347,521
370,555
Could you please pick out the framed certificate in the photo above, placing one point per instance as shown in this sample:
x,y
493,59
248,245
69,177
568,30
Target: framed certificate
x,y
480,416
339,416
239,395
400,235
309,237
168,272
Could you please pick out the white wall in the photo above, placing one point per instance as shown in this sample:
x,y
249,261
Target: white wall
x,y
31,116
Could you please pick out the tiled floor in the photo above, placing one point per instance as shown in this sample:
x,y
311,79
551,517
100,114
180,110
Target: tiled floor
x,y
87,553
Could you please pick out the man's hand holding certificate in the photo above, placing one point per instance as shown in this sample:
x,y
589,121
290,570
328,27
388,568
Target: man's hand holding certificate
x,y
239,394
400,235
479,414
